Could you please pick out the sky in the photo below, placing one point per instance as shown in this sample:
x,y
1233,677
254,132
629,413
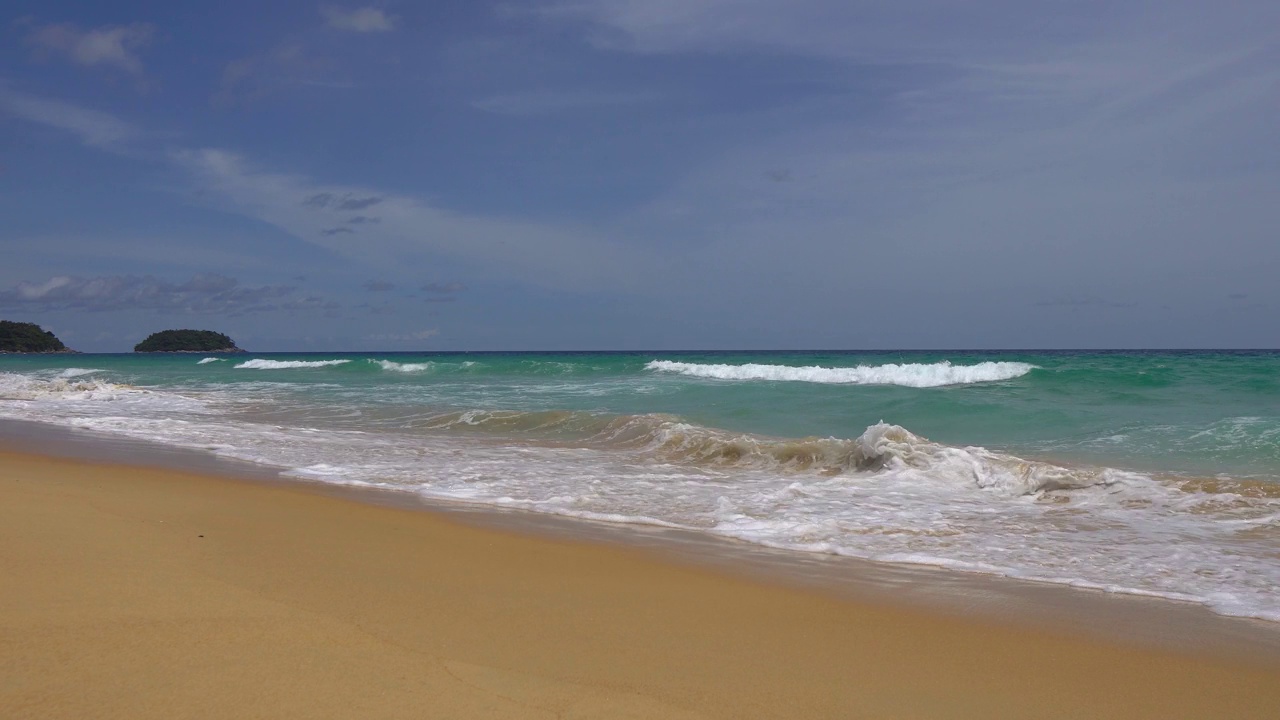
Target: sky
x,y
643,174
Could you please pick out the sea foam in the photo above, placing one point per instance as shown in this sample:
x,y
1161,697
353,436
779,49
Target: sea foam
x,y
403,367
918,375
287,364
206,361
14,386
78,372
880,492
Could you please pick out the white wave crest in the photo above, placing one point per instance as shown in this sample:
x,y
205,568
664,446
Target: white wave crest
x,y
403,367
884,450
918,375
14,386
206,361
287,364
899,451
77,372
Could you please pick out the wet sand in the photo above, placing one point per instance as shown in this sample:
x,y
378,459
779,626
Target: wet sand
x,y
148,592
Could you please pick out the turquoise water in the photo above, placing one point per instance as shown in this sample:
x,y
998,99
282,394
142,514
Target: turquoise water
x,y
1188,412
1075,467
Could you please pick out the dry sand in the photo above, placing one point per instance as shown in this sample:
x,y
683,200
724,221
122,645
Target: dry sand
x,y
147,593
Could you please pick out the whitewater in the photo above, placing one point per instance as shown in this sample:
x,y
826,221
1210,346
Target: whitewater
x,y
1146,473
910,375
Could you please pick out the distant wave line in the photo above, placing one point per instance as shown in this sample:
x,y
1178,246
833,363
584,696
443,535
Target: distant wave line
x,y
258,364
918,375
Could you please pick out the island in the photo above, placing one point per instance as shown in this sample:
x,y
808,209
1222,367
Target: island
x,y
25,337
194,341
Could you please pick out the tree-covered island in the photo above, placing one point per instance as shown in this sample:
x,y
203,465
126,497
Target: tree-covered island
x,y
25,337
187,341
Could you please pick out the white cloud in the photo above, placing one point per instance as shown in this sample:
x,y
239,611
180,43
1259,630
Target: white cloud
x,y
206,293
1018,157
93,128
363,20
401,230
111,45
1031,54
906,30
375,228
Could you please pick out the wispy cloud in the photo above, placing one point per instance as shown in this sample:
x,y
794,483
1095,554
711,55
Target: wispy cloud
x,y
903,31
207,293
1084,302
345,202
1060,141
231,86
415,336
410,230
362,19
1024,52
548,102
442,292
291,63
93,128
398,230
114,46
443,288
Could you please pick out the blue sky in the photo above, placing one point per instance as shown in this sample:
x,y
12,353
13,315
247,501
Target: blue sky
x,y
619,174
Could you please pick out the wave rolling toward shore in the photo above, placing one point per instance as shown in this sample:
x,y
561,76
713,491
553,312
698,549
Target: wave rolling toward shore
x,y
1082,469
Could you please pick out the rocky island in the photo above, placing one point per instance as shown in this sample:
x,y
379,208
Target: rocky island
x,y
194,341
24,337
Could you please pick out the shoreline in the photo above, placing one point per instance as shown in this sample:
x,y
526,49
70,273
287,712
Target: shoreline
x,y
1138,620
148,592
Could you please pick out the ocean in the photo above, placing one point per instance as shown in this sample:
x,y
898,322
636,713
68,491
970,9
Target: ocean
x,y
1154,473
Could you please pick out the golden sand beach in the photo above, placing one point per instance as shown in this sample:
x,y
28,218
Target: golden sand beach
x,y
149,593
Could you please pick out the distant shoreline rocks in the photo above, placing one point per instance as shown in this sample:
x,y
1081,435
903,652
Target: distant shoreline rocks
x,y
187,341
24,338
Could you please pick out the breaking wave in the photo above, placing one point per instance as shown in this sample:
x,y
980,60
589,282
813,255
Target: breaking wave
x,y
78,372
880,493
287,364
65,385
206,361
882,447
403,367
918,375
